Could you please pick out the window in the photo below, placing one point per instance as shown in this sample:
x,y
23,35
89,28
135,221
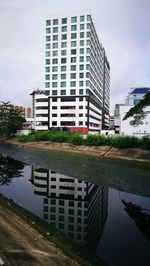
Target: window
x,y
87,75
81,58
81,75
87,67
88,42
47,77
80,83
54,92
88,59
63,92
88,26
73,51
88,17
72,92
80,91
48,46
81,26
81,18
63,44
73,35
73,43
63,68
63,76
88,34
55,37
48,22
64,36
88,83
73,27
73,60
55,61
81,67
48,30
54,76
87,91
63,84
55,21
88,50
47,69
82,51
64,28
54,84
47,61
48,38
63,52
55,29
55,53
72,84
63,60
81,43
73,68
55,45
54,123
73,75
73,19
64,20
47,84
54,69
81,34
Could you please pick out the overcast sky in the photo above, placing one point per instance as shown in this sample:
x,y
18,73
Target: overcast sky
x,y
123,27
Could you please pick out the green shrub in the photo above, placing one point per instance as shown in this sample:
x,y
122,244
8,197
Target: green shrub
x,y
124,142
76,139
145,143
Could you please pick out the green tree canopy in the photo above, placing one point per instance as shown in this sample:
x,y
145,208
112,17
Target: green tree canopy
x,y
139,112
10,119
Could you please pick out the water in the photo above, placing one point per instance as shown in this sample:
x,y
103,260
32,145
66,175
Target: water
x,y
114,224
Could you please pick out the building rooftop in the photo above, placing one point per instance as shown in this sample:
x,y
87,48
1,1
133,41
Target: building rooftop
x,y
140,90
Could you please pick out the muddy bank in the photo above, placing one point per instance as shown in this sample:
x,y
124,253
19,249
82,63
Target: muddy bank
x,y
102,151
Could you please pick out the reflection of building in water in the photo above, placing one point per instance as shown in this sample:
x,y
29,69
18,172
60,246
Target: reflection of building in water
x,y
75,207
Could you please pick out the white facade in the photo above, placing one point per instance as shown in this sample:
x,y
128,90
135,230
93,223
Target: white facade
x,y
123,127
77,74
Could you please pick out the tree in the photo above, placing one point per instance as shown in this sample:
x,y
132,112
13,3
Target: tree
x,y
10,119
139,112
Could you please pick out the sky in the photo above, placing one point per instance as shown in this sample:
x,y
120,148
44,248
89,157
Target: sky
x,y
123,27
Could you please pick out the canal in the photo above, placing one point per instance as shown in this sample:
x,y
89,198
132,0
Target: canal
x,y
99,203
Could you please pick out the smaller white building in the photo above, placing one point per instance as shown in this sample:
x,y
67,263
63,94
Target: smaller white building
x,y
123,127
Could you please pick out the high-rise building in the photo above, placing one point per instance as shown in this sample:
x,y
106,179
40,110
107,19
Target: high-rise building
x,y
77,76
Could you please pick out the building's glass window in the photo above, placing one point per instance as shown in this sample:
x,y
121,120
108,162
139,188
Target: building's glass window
x,y
64,36
81,34
73,75
73,59
88,17
88,26
73,44
81,26
48,22
63,44
63,76
88,42
55,45
48,38
55,61
64,20
73,19
80,83
54,92
72,92
63,68
64,28
47,92
54,84
88,67
81,58
87,75
73,68
48,31
81,43
87,91
81,75
82,51
72,83
88,50
47,54
81,18
88,34
55,37
55,53
48,46
81,67
63,60
63,52
54,123
73,27
54,69
47,84
88,83
47,61
55,29
47,69
73,35
73,51
88,58
47,77
63,92
54,76
63,84
55,21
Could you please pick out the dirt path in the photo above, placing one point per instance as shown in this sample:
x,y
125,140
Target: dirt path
x,y
21,245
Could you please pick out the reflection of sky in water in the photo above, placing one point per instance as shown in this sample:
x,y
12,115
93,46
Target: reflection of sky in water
x,y
119,243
